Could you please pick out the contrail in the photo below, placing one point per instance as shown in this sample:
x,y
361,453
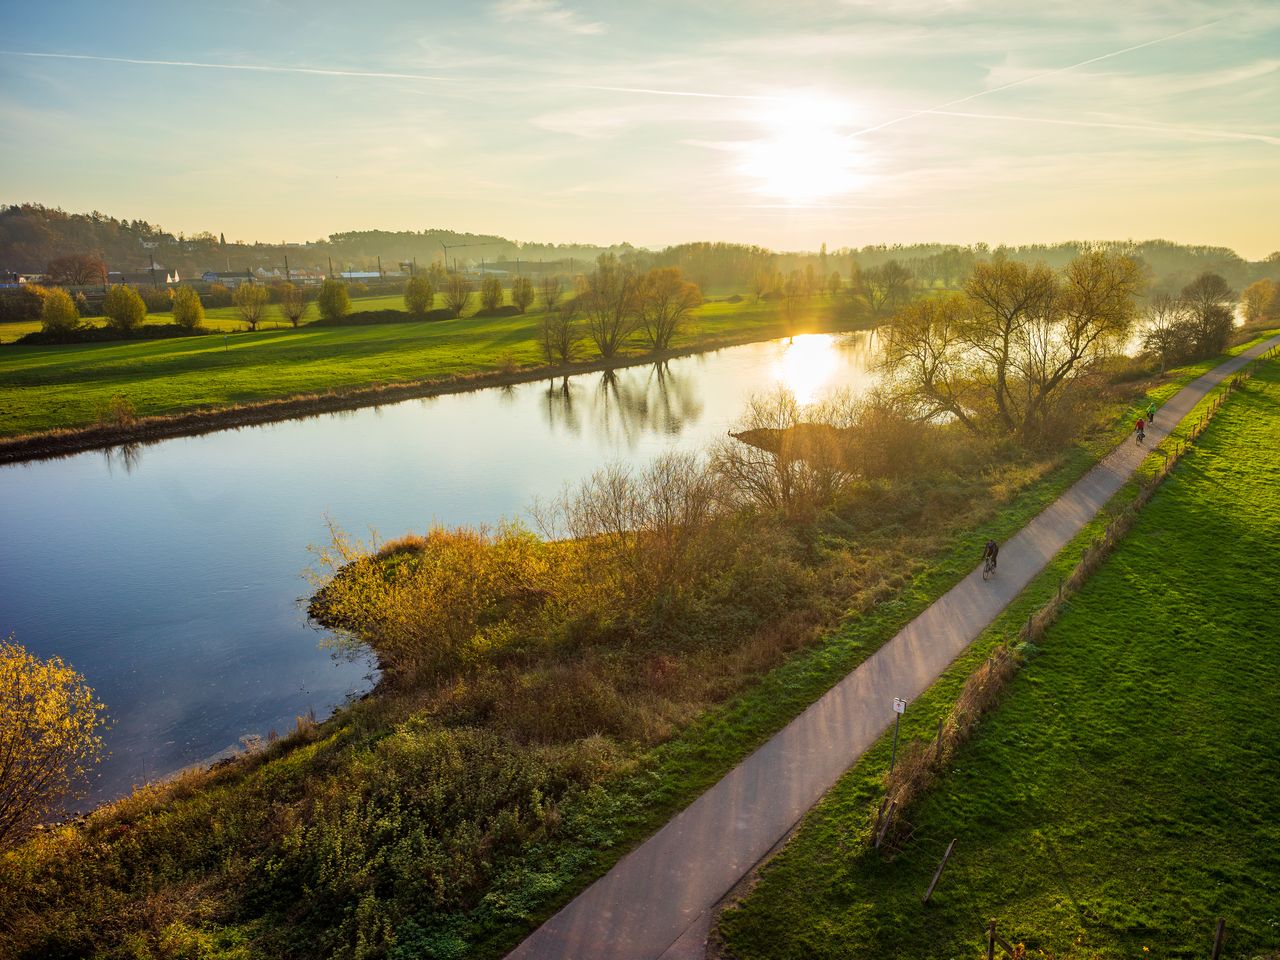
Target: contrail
x,y
364,74
255,67
1039,76
1145,127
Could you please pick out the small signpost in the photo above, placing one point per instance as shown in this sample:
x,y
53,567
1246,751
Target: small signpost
x,y
899,708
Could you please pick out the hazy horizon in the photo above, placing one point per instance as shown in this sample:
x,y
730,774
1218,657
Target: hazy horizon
x,y
550,121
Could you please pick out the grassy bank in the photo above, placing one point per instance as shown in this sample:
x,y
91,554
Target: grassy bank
x,y
446,816
1122,797
50,388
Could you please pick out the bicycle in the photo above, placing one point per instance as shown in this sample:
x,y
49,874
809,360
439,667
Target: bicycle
x,y
1139,436
988,567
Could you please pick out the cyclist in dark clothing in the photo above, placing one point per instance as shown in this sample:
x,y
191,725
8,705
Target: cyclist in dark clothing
x,y
992,550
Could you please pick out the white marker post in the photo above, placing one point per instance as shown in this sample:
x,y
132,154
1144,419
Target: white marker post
x,y
899,708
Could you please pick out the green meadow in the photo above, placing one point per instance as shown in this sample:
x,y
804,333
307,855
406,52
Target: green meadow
x,y
1123,796
43,388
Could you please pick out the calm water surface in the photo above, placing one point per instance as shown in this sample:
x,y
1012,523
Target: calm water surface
x,y
171,577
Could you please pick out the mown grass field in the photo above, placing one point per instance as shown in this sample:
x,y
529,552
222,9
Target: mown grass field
x,y
43,388
1124,795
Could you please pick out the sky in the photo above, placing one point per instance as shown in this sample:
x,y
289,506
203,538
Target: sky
x,y
786,124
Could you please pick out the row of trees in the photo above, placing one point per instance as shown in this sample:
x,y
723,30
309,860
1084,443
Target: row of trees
x,y
1002,355
611,304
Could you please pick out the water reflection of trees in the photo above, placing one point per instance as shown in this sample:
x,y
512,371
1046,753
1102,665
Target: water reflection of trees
x,y
127,455
625,404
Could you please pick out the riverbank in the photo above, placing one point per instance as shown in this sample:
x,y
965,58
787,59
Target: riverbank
x,y
469,354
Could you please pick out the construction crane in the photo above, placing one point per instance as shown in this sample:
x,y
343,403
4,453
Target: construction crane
x,y
455,246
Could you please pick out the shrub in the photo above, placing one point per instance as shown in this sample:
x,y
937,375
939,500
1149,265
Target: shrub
x,y
334,301
59,314
358,289
117,412
157,299
25,303
123,308
419,296
188,311
218,295
49,738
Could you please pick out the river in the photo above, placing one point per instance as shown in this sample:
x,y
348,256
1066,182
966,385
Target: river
x,y
171,575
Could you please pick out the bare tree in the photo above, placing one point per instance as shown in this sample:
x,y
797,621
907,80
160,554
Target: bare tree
x,y
1001,355
783,456
834,283
886,288
76,270
611,300
666,300
559,332
552,289
792,289
925,357
1006,297
457,293
1209,299
1167,332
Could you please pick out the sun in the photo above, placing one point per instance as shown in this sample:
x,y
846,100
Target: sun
x,y
804,155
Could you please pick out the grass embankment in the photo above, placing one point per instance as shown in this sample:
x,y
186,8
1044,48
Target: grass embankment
x,y
61,387
445,819
1124,795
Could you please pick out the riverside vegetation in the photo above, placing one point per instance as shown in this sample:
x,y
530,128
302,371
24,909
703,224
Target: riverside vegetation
x,y
1121,797
547,700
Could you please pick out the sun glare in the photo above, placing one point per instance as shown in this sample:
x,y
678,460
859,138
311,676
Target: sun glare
x,y
804,155
807,366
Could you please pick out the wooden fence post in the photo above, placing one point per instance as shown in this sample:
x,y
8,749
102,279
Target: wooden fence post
x,y
1218,936
884,827
937,874
937,753
991,940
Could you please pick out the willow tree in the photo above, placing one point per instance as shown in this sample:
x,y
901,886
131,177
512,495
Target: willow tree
x,y
666,299
250,299
457,293
610,299
49,738
522,293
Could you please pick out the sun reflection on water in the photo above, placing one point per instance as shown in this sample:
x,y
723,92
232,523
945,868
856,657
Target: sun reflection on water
x,y
807,366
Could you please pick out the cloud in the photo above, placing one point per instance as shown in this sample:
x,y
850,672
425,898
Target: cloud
x,y
548,13
589,124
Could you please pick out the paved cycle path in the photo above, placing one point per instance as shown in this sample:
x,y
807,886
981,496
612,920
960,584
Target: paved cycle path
x,y
658,901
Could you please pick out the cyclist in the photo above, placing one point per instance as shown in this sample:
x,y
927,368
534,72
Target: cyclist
x,y
991,552
1141,436
1151,412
